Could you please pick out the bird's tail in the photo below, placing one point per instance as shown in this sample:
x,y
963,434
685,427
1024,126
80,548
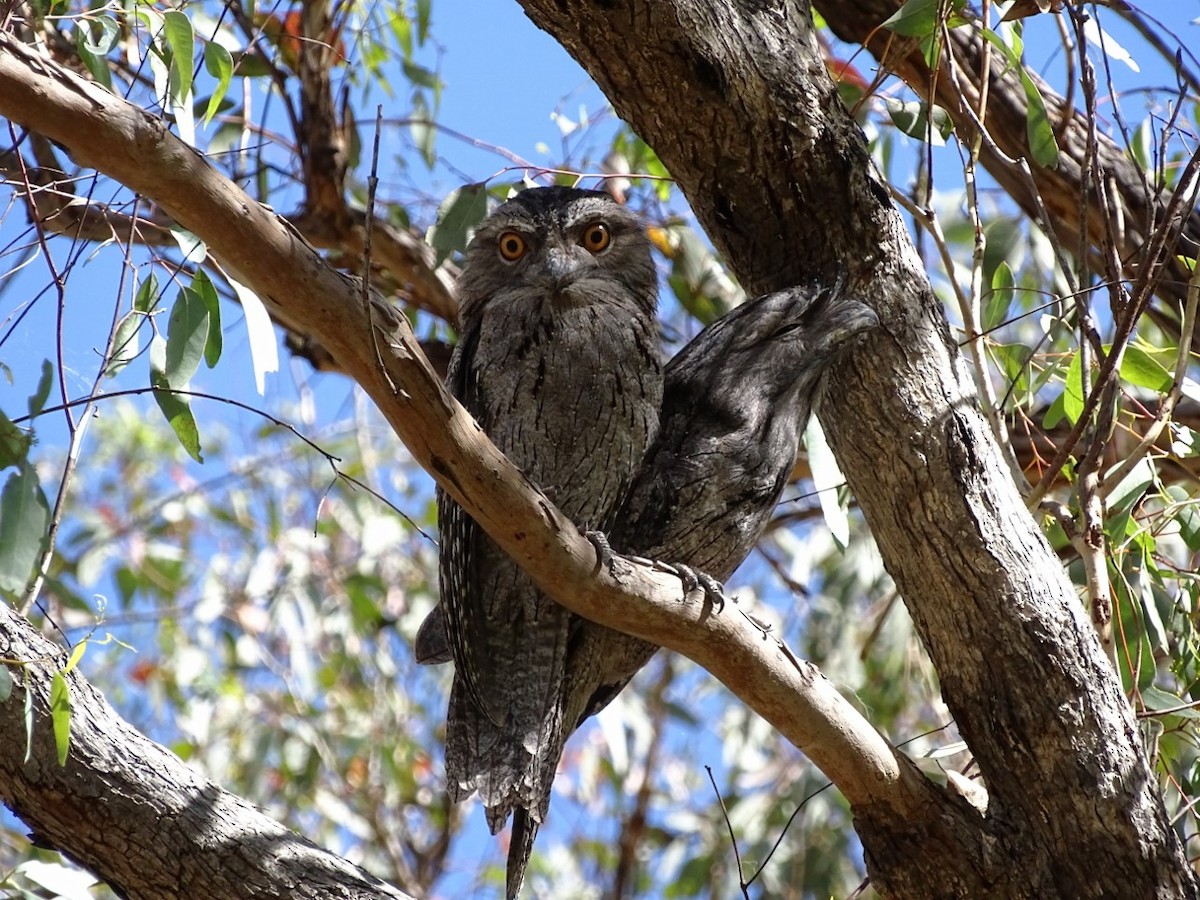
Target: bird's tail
x,y
513,774
524,830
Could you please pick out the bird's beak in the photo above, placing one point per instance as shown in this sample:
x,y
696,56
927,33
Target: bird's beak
x,y
843,320
561,266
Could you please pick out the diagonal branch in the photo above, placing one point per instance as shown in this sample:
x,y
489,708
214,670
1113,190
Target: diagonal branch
x,y
1141,204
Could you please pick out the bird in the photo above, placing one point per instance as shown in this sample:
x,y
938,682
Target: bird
x,y
558,361
736,400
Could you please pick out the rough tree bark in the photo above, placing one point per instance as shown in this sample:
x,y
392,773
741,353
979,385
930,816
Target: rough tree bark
x,y
734,99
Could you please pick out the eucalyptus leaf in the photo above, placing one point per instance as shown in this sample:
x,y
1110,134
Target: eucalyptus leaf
x,y
219,64
1140,368
24,521
174,406
457,217
187,337
37,400
60,715
177,31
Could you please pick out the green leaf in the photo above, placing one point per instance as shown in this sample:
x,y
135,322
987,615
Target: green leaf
x,y
402,31
252,65
60,715
76,655
1073,389
421,129
125,342
178,32
458,215
37,400
1156,700
998,298
1140,368
1005,243
420,76
1055,413
93,50
916,18
1014,34
913,119
187,337
24,520
173,406
6,683
1038,131
1141,145
204,288
219,64
1188,520
424,8
1131,488
146,297
15,442
1135,655
194,250
1014,363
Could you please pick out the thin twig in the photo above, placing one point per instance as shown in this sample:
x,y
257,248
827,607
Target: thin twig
x,y
786,825
200,395
970,305
732,838
368,307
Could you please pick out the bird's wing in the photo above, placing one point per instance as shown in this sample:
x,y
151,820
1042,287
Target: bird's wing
x,y
461,538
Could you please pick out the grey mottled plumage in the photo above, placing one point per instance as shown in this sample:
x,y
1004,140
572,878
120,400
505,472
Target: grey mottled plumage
x,y
735,405
557,360
736,401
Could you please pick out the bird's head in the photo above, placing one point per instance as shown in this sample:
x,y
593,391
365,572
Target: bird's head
x,y
560,247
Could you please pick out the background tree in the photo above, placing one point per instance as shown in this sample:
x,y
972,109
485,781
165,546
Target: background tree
x,y
289,591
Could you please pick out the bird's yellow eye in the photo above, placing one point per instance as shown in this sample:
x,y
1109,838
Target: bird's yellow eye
x,y
512,246
596,238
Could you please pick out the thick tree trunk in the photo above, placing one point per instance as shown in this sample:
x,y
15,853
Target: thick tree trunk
x,y
735,100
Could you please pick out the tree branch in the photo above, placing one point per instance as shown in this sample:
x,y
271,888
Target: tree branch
x,y
121,803
1141,204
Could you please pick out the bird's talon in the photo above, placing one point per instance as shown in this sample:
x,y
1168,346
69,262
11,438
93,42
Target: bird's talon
x,y
605,558
688,576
